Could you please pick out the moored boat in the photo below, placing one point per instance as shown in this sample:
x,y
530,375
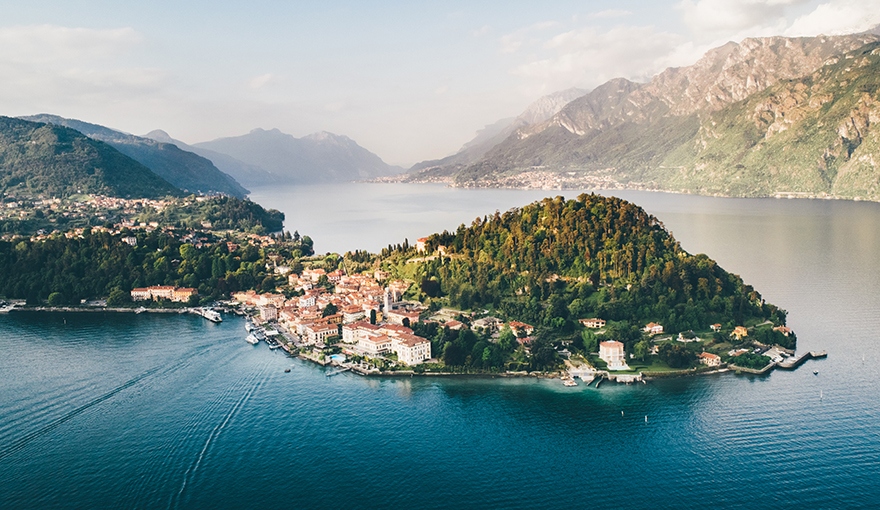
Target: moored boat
x,y
211,315
252,339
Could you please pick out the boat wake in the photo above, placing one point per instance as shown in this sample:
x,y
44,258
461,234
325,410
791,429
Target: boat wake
x,y
22,442
253,384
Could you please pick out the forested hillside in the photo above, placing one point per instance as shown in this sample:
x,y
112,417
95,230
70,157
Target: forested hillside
x,y
99,264
54,161
555,261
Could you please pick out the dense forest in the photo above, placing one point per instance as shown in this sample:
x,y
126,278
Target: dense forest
x,y
556,261
98,264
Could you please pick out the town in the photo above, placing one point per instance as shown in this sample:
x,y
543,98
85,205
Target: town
x,y
362,322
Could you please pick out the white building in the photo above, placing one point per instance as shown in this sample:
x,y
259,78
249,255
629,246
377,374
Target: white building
x,y
712,360
411,349
611,352
593,323
269,313
375,345
352,333
653,328
318,333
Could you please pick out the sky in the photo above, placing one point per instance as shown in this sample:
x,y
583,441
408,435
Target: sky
x,y
409,81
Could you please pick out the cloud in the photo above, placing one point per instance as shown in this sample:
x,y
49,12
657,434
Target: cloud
x,y
836,17
610,13
719,17
63,69
511,43
588,56
258,82
40,44
482,31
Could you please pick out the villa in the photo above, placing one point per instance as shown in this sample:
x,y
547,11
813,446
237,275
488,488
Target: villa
x,y
653,328
709,359
612,353
593,323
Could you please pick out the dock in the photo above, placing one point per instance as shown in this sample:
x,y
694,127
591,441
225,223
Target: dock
x,y
791,364
339,371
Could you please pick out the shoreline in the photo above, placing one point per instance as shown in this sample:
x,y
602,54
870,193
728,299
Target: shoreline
x,y
603,375
778,195
97,309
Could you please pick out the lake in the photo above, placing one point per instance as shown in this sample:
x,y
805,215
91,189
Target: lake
x,y
154,411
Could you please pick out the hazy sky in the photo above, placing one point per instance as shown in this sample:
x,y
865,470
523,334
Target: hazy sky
x,y
407,80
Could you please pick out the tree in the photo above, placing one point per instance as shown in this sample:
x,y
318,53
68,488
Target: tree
x,y
506,338
330,309
641,349
543,354
676,355
118,297
453,355
372,316
56,299
591,342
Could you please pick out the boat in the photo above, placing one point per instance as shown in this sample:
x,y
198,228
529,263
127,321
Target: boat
x,y
6,307
211,315
815,372
248,325
252,339
287,370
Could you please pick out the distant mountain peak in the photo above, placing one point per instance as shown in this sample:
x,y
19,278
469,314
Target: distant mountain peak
x,y
318,157
160,136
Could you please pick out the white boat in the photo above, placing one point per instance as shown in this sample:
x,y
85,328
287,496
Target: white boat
x,y
252,339
211,315
6,307
248,325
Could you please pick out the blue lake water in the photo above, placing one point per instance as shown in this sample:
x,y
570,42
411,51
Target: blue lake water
x,y
154,411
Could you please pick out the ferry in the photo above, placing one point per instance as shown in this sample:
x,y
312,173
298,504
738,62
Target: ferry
x,y
252,339
209,314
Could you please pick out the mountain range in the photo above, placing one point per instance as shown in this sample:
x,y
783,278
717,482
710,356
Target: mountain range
x,y
56,161
320,157
247,175
761,117
493,134
77,156
183,169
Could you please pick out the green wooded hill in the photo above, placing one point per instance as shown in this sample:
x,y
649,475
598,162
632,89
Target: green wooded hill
x,y
40,159
553,262
183,169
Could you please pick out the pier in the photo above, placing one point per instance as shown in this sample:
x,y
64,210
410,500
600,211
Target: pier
x,y
791,364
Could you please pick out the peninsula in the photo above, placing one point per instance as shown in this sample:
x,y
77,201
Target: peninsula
x,y
594,285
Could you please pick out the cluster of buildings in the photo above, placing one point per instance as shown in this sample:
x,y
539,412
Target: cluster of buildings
x,y
371,319
168,292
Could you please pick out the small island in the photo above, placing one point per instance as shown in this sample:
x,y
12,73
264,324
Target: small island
x,y
593,288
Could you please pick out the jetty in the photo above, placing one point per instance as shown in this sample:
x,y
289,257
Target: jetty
x,y
791,364
338,371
